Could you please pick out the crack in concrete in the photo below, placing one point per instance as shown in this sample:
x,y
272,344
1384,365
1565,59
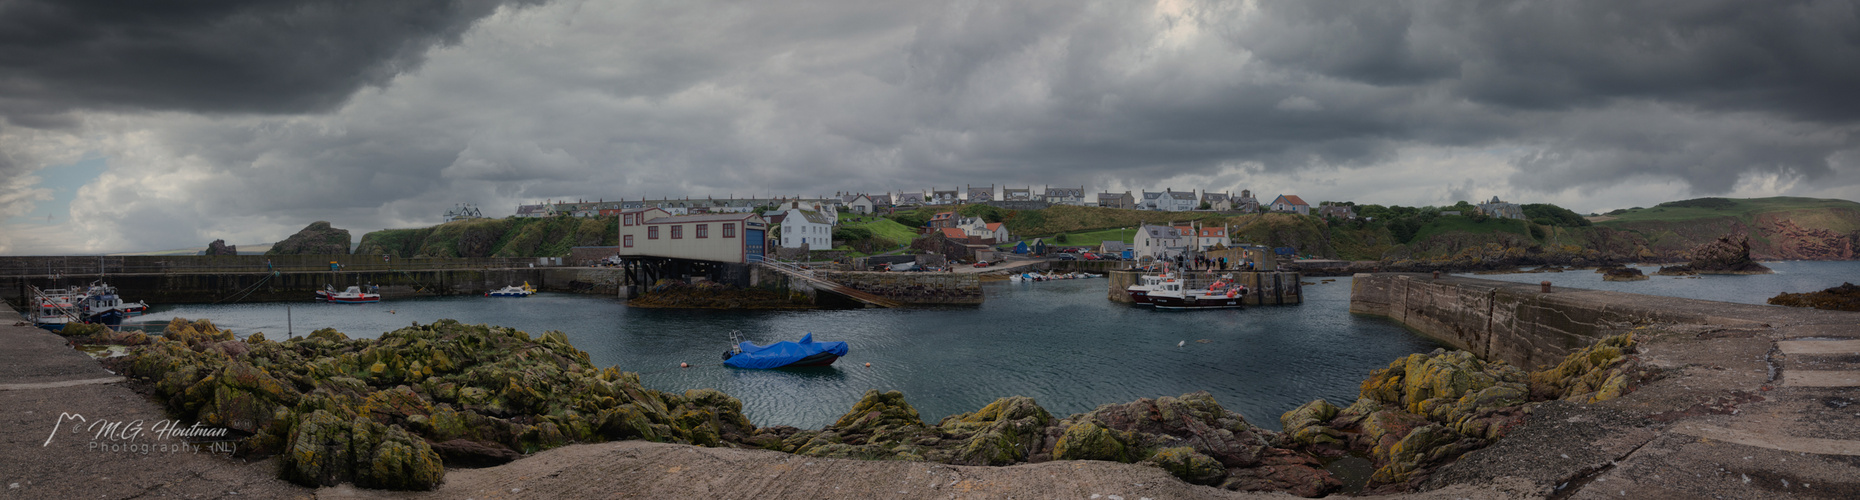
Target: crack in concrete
x,y
1574,484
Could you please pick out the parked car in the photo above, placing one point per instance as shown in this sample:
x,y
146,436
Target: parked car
x,y
1089,256
1067,256
982,264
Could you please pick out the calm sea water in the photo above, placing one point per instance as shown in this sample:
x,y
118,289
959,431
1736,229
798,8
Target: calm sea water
x,y
1060,342
1792,277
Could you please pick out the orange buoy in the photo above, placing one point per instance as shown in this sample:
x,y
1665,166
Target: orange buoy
x,y
684,365
868,364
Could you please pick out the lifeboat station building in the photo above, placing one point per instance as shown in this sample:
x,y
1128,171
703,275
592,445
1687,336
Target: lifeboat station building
x,y
654,245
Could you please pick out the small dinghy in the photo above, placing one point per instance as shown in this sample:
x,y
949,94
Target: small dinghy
x,y
783,354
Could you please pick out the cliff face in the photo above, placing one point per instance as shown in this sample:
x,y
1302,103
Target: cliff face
x,y
317,239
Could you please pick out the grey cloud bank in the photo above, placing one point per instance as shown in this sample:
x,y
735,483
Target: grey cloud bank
x,y
245,122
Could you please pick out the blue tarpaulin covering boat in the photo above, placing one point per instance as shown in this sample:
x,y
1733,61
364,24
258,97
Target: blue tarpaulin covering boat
x,y
807,352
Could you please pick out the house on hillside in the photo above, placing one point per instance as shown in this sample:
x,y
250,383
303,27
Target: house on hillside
x,y
880,201
806,229
1220,202
909,199
1500,209
973,226
942,197
1176,201
1117,200
1150,200
943,220
1012,194
1246,203
1291,203
997,231
859,204
1340,211
1159,242
535,211
1064,195
982,194
727,237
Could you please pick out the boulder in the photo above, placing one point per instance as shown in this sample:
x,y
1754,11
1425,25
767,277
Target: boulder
x,y
1007,431
1623,274
1189,465
1723,256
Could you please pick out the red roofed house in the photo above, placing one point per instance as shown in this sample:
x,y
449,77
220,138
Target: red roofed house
x,y
943,220
1291,203
1207,237
1000,231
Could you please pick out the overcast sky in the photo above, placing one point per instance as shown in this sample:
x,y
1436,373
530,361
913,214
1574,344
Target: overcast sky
x,y
134,126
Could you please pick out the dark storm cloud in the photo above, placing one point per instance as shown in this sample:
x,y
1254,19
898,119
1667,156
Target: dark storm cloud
x,y
211,55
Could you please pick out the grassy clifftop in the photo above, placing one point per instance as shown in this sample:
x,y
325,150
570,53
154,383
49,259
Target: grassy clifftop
x,y
508,237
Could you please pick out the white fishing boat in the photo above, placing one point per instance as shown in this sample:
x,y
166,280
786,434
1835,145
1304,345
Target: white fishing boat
x,y
353,295
53,310
1176,294
101,304
513,291
1140,292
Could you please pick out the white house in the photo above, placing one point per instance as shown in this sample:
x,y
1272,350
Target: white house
x,y
1291,203
860,204
807,229
998,231
655,232
975,227
1064,195
1159,242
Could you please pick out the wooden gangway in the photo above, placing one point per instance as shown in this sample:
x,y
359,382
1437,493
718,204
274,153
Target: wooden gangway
x,y
796,271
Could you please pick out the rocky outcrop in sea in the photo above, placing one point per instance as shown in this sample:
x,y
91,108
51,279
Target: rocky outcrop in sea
x,y
1723,256
219,247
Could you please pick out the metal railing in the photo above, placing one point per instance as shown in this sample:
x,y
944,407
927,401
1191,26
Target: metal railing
x,y
805,274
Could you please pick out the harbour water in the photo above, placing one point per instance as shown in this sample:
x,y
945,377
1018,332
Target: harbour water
x,y
1058,342
1791,277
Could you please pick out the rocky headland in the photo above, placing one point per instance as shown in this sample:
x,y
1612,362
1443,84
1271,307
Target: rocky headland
x,y
316,239
1841,298
395,412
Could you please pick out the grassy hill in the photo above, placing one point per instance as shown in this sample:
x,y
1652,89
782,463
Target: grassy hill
x,y
508,237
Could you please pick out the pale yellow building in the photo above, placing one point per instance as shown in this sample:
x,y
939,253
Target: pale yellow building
x,y
723,237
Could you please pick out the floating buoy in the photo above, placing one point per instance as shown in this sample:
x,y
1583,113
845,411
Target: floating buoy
x,y
868,364
684,365
1182,343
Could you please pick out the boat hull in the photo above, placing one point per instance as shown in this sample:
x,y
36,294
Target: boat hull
x,y
355,300
1140,297
1221,302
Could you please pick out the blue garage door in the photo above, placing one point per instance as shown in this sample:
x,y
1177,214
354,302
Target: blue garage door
x,y
752,245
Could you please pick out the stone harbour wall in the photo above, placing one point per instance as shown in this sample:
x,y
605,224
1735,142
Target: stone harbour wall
x,y
1522,324
914,288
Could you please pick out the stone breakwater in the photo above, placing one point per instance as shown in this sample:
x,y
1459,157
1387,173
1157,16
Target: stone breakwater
x,y
394,412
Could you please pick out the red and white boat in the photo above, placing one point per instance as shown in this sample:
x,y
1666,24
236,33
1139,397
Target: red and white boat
x,y
1174,294
352,295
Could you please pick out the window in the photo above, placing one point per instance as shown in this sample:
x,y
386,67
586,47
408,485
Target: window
x,y
627,219
703,230
652,232
729,230
678,232
629,241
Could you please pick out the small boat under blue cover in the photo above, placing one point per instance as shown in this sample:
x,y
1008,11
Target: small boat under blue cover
x,y
782,354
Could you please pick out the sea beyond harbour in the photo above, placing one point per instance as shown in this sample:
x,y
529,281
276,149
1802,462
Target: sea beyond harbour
x,y
1059,342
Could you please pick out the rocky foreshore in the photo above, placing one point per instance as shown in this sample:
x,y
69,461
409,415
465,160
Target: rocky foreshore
x,y
1841,298
394,412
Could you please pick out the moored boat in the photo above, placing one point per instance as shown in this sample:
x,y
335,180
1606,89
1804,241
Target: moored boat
x,y
1140,292
100,304
513,291
53,311
1222,294
355,295
784,354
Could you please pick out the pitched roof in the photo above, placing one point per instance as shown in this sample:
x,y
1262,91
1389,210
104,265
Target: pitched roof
x,y
1113,246
994,226
1213,232
1213,196
814,217
1112,196
942,215
954,233
717,217
1294,199
1161,232
1180,195
1079,192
